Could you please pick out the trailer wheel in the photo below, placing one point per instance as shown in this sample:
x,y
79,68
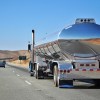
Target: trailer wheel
x,y
55,77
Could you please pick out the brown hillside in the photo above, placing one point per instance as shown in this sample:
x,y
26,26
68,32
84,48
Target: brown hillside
x,y
94,41
13,54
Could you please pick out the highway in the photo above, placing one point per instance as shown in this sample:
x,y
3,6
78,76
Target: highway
x,y
16,84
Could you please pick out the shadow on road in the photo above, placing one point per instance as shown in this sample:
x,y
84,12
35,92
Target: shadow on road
x,y
86,87
82,87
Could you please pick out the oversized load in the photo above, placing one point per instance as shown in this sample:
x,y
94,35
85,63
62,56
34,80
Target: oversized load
x,y
72,53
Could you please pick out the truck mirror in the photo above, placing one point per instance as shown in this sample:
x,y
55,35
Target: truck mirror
x,y
29,47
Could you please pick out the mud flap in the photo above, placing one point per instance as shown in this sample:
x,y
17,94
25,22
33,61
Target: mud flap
x,y
40,74
31,73
66,84
97,82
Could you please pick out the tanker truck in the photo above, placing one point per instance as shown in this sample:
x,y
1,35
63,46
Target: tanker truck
x,y
71,54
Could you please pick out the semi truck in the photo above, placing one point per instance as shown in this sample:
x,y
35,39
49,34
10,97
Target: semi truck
x,y
68,55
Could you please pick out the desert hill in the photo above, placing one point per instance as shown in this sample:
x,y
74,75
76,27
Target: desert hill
x,y
15,55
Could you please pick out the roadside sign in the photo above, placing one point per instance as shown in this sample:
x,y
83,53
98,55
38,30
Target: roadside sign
x,y
22,58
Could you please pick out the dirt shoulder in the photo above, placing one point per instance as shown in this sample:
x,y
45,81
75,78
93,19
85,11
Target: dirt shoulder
x,y
21,63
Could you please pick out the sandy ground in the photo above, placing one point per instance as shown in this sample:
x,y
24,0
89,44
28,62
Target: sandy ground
x,y
94,41
21,63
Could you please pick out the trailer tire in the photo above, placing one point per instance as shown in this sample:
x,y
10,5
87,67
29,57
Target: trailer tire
x,y
55,77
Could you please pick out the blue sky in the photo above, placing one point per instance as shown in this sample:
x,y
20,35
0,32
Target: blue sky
x,y
19,17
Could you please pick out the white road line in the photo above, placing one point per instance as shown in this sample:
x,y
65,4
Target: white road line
x,y
28,82
18,75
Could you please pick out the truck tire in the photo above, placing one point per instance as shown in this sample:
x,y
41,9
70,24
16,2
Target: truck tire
x,y
55,77
39,74
36,74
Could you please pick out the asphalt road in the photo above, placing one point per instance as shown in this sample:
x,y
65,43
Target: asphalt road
x,y
16,84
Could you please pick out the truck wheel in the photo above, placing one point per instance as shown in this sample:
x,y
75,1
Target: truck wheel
x,y
55,77
36,74
39,74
